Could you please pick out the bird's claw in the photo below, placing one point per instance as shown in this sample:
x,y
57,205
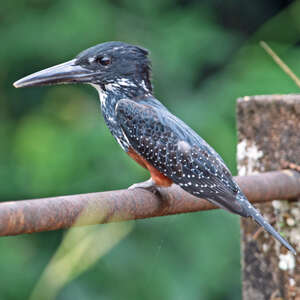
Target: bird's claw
x,y
148,185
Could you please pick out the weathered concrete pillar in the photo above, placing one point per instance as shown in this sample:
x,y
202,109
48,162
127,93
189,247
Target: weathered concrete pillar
x,y
269,139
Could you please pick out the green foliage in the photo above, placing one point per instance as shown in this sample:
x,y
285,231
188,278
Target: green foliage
x,y
54,140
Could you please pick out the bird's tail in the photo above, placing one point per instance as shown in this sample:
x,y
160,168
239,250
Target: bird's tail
x,y
251,211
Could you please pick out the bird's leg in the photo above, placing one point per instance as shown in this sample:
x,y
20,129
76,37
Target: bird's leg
x,y
149,185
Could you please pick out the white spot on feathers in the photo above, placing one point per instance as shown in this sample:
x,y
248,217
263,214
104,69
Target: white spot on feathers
x,y
125,82
183,146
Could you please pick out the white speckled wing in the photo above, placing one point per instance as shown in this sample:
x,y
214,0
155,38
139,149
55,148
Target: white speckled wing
x,y
178,152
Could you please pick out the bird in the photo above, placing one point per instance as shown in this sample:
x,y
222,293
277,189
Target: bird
x,y
147,131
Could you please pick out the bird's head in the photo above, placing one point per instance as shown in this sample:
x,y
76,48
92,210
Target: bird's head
x,y
107,64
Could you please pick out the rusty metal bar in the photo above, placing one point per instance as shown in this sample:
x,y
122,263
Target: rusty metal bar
x,y
29,216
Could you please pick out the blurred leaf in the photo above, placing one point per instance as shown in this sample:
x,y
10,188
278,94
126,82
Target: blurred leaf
x,y
79,250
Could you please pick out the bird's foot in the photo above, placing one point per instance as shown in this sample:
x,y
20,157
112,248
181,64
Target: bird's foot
x,y
148,185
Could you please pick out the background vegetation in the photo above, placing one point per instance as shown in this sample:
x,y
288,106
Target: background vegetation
x,y
53,140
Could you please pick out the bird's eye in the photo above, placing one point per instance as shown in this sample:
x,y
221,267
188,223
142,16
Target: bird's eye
x,y
103,60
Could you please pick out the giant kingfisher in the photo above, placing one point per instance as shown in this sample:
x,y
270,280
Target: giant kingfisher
x,y
147,131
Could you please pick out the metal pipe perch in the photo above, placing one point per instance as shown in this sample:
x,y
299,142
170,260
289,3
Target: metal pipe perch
x,y
29,216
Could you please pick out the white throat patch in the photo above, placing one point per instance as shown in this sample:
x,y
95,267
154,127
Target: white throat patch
x,y
102,94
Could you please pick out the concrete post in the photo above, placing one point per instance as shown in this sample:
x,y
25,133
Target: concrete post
x,y
269,139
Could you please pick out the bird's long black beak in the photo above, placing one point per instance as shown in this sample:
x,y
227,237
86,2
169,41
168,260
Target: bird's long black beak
x,y
67,72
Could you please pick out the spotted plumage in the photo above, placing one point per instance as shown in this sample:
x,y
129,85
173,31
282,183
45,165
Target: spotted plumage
x,y
177,152
147,131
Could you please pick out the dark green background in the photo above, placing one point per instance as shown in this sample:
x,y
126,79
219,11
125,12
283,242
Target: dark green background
x,y
53,140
